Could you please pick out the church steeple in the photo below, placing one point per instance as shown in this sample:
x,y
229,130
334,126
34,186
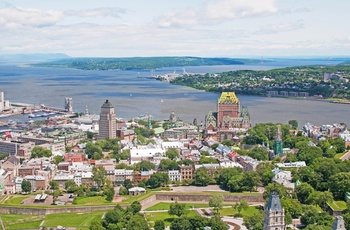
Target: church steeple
x,y
278,144
338,223
274,213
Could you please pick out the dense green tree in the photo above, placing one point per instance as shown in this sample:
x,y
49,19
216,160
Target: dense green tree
x,y
177,209
158,179
57,159
292,206
144,166
181,224
201,177
303,192
69,183
167,164
293,124
339,184
128,184
216,201
309,154
259,153
186,162
3,156
264,170
137,222
254,222
312,216
280,189
217,223
96,225
26,186
208,160
135,207
38,152
99,175
338,144
172,153
227,174
92,149
320,198
109,194
159,225
53,185
250,181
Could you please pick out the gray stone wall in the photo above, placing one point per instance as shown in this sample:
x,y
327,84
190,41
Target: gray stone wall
x,y
256,198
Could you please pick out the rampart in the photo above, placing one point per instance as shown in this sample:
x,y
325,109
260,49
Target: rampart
x,y
253,198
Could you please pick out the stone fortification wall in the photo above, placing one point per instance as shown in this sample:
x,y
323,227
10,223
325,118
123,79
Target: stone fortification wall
x,y
254,198
45,211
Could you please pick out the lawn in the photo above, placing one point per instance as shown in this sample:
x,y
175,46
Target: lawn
x,y
21,221
16,199
338,205
338,155
72,219
92,200
166,206
168,219
230,211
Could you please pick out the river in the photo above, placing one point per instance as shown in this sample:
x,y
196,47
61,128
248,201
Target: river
x,y
133,94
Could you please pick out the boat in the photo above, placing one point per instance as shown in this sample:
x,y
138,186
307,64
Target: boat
x,y
31,115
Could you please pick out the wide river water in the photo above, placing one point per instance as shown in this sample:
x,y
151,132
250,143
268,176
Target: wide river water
x,y
133,94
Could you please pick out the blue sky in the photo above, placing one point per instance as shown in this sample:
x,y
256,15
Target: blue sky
x,y
207,28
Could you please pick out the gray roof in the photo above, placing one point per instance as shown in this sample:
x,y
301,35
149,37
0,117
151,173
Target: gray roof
x,y
107,104
274,203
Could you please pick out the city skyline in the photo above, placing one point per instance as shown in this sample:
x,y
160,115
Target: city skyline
x,y
230,28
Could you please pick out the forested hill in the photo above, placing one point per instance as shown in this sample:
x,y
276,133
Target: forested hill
x,y
328,81
141,62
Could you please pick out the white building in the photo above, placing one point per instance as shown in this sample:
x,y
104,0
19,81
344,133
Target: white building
x,y
174,175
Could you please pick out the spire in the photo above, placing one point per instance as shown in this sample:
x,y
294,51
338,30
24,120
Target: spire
x,y
274,203
279,133
149,122
338,223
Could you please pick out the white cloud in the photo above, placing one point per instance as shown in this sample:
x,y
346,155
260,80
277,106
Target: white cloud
x,y
104,12
233,9
14,17
280,28
178,19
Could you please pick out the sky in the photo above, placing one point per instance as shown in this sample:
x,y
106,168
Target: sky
x,y
204,28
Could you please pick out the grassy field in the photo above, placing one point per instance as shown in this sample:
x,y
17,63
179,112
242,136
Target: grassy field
x,y
92,200
154,216
52,220
72,219
166,206
21,221
230,211
16,199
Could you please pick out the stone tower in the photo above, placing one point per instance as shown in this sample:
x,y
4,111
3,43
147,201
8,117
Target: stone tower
x,y
274,213
68,104
278,144
107,123
338,223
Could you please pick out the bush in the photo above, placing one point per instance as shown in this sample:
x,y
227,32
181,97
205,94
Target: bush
x,y
237,215
123,191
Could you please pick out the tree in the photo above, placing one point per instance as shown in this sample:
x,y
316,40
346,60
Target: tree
x,y
320,198
158,179
216,201
293,124
144,166
99,175
217,223
303,192
338,144
339,184
109,194
128,184
167,164
38,152
259,153
292,207
26,186
159,225
177,209
208,160
309,154
68,184
313,216
135,207
181,224
201,177
57,159
54,185
254,222
137,222
172,153
96,225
